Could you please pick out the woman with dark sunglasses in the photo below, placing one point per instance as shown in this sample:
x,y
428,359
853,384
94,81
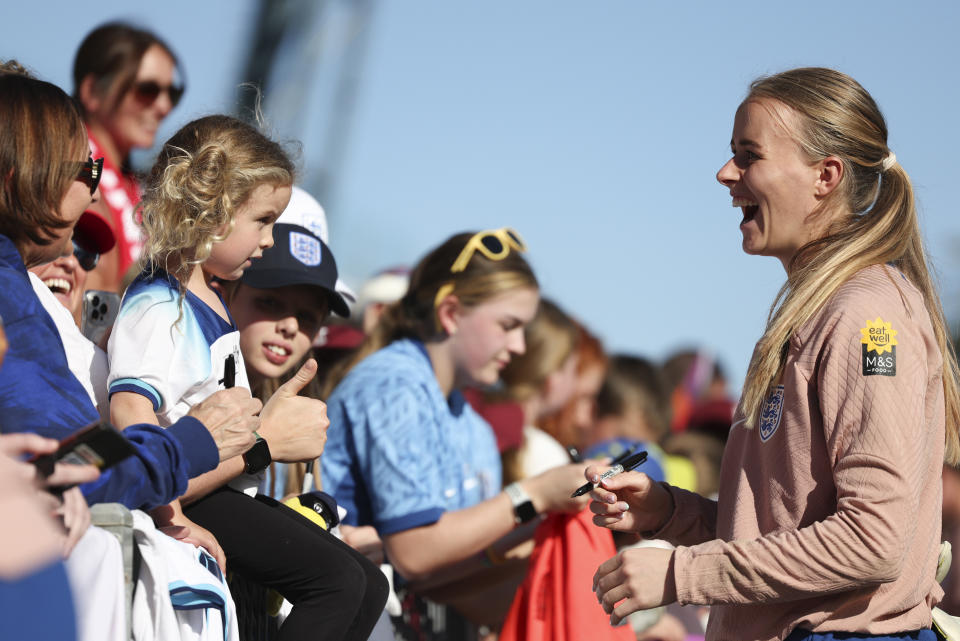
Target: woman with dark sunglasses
x,y
66,276
124,78
411,458
59,286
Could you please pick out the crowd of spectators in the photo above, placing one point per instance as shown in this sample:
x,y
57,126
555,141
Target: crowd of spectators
x,y
398,463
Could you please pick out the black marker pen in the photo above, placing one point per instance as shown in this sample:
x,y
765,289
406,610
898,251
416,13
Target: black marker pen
x,y
229,372
628,464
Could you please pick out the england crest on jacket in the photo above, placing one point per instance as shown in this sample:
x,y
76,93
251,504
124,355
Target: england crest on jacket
x,y
770,413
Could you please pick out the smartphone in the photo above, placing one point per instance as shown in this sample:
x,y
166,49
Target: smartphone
x,y
99,311
99,444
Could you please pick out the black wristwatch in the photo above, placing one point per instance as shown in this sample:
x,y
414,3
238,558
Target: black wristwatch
x,y
523,510
257,458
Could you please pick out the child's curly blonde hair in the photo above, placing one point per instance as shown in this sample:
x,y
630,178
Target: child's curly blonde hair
x,y
203,175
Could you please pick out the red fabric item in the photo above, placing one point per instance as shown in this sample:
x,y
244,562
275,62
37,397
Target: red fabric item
x,y
681,404
121,193
96,231
712,417
556,601
506,418
339,337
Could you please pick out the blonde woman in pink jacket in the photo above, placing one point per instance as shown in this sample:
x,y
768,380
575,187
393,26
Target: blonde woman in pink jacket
x,y
828,518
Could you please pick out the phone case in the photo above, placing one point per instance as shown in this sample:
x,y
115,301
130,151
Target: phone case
x,y
99,311
98,444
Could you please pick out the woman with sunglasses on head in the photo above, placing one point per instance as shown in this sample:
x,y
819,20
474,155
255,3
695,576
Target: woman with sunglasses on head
x,y
828,519
406,453
124,78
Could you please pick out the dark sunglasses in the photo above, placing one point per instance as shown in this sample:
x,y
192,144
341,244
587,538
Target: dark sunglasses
x,y
147,92
87,259
89,173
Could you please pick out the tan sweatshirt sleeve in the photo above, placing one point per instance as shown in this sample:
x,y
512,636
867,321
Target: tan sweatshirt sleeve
x,y
877,442
694,519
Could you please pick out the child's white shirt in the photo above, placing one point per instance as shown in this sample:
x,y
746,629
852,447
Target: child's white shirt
x,y
174,360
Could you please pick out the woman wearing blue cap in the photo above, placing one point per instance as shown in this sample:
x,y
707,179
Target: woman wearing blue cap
x,y
279,305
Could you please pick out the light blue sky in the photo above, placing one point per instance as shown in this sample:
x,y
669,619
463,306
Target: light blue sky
x,y
595,129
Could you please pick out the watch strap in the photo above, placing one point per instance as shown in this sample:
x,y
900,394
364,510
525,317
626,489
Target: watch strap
x,y
523,510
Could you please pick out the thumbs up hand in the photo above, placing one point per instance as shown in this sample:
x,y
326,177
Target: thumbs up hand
x,y
295,427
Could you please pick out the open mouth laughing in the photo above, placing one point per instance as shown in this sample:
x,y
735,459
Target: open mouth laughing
x,y
748,207
60,286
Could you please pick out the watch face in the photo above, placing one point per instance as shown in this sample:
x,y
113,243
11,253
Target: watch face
x,y
257,458
525,512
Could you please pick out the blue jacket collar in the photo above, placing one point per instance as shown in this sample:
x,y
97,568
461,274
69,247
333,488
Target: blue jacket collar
x,y
456,400
9,256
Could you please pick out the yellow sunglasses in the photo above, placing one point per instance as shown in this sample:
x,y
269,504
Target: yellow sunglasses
x,y
495,244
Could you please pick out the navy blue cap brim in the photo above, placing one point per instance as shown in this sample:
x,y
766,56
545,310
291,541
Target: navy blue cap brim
x,y
274,278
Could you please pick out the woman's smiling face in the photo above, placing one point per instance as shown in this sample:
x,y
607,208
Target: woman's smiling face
x,y
133,124
66,279
771,181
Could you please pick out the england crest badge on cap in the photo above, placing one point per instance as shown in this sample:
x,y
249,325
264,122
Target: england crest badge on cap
x,y
306,249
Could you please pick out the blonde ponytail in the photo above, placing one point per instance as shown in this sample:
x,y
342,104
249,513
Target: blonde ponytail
x,y
839,118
